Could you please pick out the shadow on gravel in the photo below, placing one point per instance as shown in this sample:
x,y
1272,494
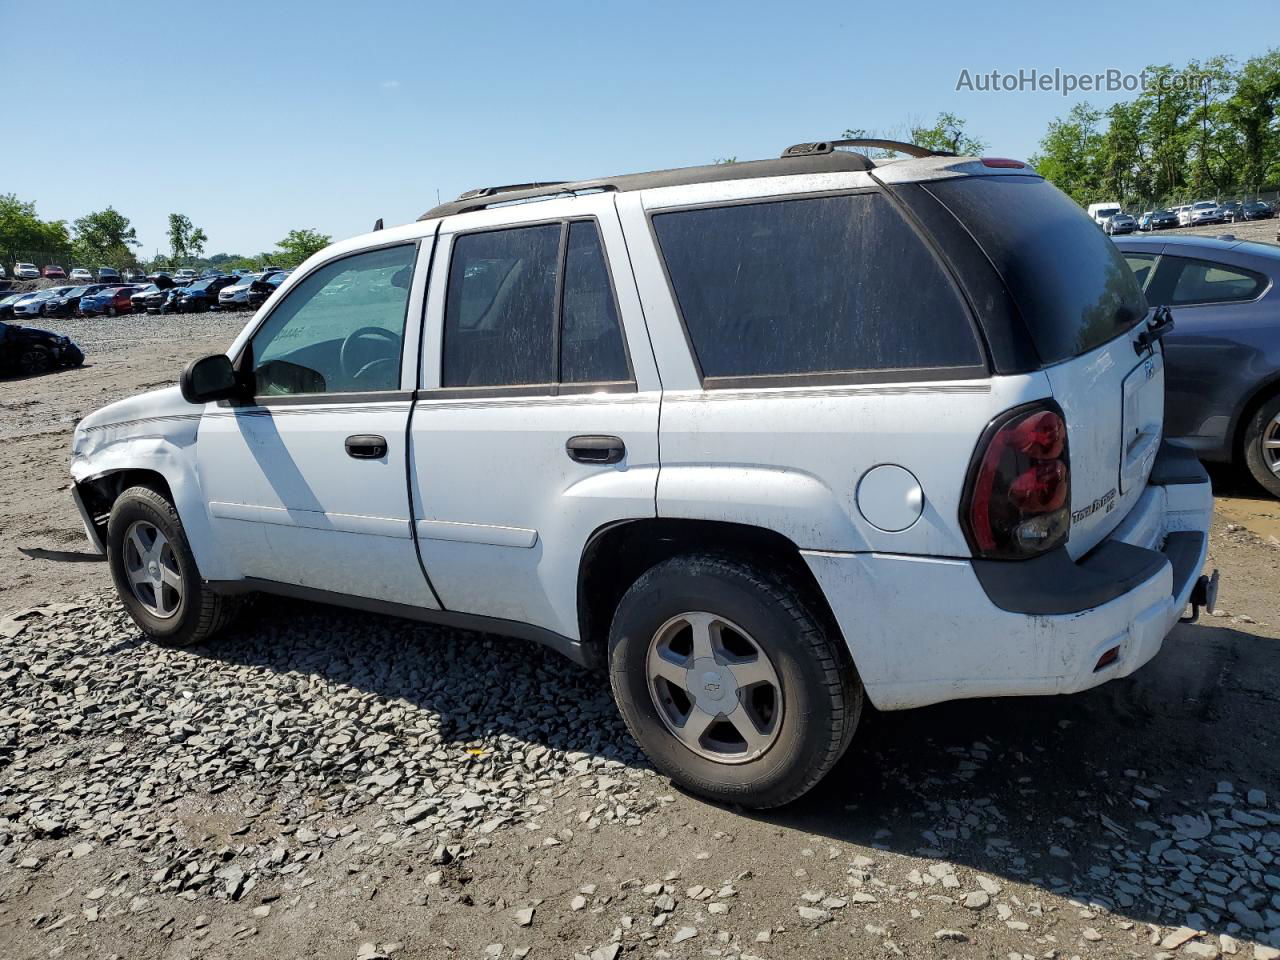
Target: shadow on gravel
x,y
1100,796
465,687
1110,797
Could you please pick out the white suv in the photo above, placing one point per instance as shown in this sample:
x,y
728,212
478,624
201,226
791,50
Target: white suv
x,y
766,439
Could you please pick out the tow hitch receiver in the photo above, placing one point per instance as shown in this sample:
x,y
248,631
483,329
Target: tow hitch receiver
x,y
1203,594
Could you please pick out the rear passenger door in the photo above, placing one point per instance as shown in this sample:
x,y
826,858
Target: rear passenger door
x,y
1216,304
537,421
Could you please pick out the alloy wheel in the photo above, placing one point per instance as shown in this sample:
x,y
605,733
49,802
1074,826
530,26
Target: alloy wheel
x,y
152,569
1271,445
714,687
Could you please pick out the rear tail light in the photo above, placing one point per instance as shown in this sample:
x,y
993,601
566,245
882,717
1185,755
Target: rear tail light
x,y
1017,501
1002,163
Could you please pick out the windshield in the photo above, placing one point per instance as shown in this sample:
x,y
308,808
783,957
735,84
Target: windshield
x,y
1204,205
1071,284
1108,211
76,292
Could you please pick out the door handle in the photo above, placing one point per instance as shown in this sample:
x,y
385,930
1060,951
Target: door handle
x,y
595,449
367,446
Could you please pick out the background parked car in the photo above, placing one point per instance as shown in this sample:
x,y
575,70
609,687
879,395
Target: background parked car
x,y
108,275
202,294
2,273
6,304
32,305
1102,212
1200,212
1222,377
53,272
134,275
1157,220
110,300
81,274
261,289
185,275
68,304
1120,223
1251,210
26,271
144,297
30,351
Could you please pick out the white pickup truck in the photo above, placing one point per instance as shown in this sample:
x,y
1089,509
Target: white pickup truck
x,y
764,439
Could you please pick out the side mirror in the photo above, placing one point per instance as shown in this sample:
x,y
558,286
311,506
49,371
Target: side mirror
x,y
210,378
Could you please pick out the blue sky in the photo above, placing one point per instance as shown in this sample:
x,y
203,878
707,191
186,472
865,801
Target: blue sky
x,y
255,118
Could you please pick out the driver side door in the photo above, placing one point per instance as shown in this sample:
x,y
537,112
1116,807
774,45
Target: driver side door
x,y
306,483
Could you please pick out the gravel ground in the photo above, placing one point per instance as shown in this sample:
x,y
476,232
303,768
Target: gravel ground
x,y
334,785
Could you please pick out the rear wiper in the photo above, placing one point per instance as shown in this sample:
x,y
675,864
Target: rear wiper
x,y
1161,322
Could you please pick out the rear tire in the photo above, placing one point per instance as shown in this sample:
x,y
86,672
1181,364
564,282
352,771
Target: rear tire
x,y
155,572
761,625
1262,460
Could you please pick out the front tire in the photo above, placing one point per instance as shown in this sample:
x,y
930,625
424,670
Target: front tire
x,y
730,681
34,361
155,572
1262,446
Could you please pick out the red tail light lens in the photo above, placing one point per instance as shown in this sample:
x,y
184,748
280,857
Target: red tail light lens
x,y
1017,500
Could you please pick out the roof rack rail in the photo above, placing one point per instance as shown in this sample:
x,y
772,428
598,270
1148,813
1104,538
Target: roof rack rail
x,y
827,146
508,188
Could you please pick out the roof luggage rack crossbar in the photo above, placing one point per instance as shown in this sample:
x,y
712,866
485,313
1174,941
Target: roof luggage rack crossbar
x,y
827,146
508,188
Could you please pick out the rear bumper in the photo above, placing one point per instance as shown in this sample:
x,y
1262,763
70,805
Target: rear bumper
x,y
924,629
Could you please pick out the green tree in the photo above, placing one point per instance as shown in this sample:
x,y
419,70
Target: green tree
x,y
105,238
1250,111
947,133
1069,154
196,241
1165,107
1207,131
22,231
1119,155
179,230
300,244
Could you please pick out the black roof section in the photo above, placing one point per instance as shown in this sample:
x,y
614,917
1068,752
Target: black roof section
x,y
814,161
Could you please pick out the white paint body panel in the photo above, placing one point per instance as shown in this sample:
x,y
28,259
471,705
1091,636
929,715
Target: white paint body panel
x,y
503,513
287,504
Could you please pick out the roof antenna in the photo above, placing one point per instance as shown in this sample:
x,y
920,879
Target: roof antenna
x,y
377,224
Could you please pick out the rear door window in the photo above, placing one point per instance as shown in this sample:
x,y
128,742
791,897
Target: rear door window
x,y
1071,284
833,286
591,348
501,307
1187,281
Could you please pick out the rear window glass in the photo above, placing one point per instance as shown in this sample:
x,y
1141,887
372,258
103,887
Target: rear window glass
x,y
1072,286
817,285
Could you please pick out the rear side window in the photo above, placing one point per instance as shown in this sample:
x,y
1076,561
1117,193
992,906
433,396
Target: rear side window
x,y
1072,286
812,286
501,303
591,347
506,309
1190,281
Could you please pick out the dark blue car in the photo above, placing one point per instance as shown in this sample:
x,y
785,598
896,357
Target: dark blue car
x,y
202,294
1222,359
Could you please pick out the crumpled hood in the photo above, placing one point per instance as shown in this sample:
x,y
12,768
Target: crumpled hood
x,y
143,424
